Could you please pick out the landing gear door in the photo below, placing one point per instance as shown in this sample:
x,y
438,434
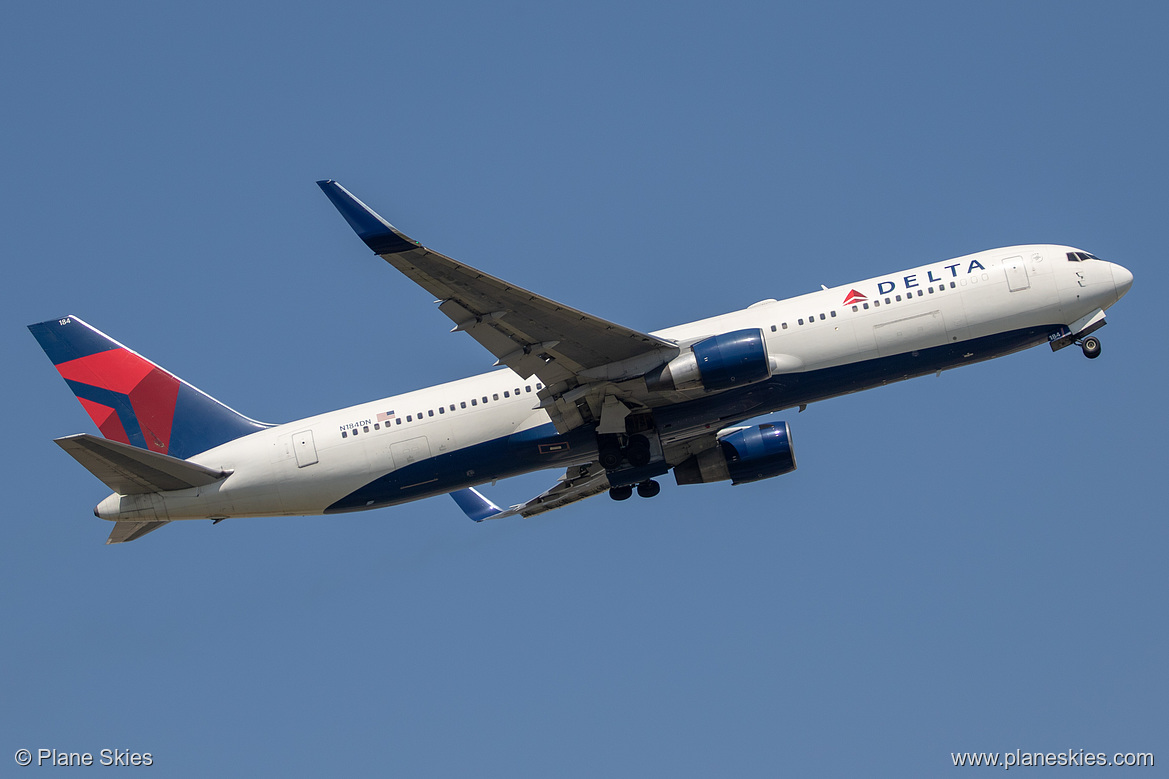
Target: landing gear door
x,y
306,450
1016,274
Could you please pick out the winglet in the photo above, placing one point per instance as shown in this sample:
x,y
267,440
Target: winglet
x,y
378,234
474,505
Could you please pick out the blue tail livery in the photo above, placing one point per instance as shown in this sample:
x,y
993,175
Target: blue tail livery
x,y
134,401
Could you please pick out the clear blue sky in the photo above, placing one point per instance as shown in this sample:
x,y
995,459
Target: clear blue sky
x,y
971,562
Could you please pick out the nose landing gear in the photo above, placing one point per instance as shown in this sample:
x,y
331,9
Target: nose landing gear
x,y
1091,347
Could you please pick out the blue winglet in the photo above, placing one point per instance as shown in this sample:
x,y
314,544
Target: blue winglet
x,y
378,234
474,505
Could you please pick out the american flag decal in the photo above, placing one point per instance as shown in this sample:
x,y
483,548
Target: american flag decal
x,y
385,417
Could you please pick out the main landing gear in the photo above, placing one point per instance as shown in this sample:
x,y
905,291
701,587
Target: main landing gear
x,y
1091,347
636,451
647,489
633,448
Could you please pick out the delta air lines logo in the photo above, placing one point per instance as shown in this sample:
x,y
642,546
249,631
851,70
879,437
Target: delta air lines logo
x,y
129,398
853,297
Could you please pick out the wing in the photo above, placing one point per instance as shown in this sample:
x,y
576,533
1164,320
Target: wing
x,y
529,333
577,483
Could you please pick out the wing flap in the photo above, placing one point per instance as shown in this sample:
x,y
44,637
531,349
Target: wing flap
x,y
129,470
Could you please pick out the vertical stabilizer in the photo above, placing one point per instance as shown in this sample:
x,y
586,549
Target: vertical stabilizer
x,y
131,399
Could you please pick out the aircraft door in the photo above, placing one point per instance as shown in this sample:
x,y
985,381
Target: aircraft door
x,y
1016,274
306,450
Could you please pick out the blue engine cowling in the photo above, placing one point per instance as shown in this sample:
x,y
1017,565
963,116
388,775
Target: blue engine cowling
x,y
717,363
742,456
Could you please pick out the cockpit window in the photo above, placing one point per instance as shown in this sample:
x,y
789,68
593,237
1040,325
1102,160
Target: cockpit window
x,y
1081,256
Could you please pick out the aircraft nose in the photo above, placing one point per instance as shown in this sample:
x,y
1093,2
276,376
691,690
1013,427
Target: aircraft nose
x,y
1121,279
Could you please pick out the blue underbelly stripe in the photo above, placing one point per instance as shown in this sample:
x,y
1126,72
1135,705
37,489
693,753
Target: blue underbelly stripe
x,y
542,447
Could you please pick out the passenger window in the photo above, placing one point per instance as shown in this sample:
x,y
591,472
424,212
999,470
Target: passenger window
x,y
377,426
886,301
462,404
898,298
344,434
539,386
506,394
832,312
430,413
855,309
409,418
876,304
365,429
528,388
822,317
953,285
442,409
485,398
866,305
773,328
474,402
801,321
931,290
398,421
785,325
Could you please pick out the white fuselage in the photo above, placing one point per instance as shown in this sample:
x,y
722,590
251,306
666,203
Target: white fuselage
x,y
307,466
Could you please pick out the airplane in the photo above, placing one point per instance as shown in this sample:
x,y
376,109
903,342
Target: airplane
x,y
613,407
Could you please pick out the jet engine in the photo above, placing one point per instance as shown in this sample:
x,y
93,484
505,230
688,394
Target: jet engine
x,y
745,455
716,363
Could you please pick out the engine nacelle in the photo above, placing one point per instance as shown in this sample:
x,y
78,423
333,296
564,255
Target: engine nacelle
x,y
716,363
742,456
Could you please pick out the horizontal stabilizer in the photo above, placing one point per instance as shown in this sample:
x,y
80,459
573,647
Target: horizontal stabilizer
x,y
577,483
474,505
132,531
128,470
